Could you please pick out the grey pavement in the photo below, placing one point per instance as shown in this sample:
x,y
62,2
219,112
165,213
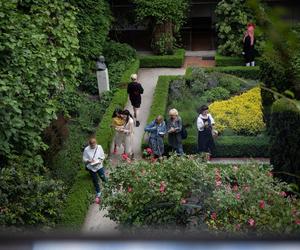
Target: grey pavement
x,y
95,221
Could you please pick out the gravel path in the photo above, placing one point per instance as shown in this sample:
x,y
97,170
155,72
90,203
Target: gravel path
x,y
95,221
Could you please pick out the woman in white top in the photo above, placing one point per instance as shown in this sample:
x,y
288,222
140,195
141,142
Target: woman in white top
x,y
205,123
128,131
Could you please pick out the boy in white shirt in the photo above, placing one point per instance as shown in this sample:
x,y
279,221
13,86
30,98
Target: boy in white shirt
x,y
93,157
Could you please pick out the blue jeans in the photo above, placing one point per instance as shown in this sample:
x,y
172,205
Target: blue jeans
x,y
101,173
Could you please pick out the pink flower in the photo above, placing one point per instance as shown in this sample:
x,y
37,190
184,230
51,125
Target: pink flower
x,y
149,151
262,204
238,196
247,189
283,194
213,215
238,226
162,187
297,222
129,189
251,222
218,183
124,157
270,174
183,201
235,188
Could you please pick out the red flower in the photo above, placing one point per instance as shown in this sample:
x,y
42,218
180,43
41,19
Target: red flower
x,y
124,157
238,196
162,187
129,189
283,194
262,204
235,188
153,160
213,215
251,222
297,222
149,151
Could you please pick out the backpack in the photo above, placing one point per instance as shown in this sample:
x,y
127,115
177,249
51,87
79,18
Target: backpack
x,y
183,132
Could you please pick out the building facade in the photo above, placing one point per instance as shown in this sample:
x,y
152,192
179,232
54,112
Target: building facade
x,y
198,33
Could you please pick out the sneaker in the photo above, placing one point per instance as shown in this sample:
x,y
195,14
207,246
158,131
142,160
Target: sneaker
x,y
137,123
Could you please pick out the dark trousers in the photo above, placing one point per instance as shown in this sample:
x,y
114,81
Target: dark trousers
x,y
101,174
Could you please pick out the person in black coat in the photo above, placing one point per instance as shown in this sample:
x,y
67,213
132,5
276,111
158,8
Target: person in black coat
x,y
134,90
249,42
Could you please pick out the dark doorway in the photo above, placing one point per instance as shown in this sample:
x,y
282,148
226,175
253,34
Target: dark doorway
x,y
198,34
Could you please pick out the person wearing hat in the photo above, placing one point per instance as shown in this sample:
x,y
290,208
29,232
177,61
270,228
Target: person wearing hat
x,y
135,90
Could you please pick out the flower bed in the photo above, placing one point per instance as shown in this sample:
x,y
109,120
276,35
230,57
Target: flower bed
x,y
242,114
226,198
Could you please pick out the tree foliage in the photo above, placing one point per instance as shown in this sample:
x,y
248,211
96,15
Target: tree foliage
x,y
165,17
93,21
38,41
232,19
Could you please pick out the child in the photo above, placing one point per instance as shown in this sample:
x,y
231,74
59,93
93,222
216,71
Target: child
x,y
118,124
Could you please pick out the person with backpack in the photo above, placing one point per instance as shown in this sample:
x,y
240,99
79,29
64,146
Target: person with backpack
x,y
93,157
205,123
174,129
134,90
157,129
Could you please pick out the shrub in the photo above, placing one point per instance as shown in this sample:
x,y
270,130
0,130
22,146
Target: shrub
x,y
173,61
29,198
229,60
219,198
232,84
240,71
242,146
241,113
285,140
114,52
218,93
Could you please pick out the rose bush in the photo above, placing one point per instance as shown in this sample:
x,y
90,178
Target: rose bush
x,y
186,192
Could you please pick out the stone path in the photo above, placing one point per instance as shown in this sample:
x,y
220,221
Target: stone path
x,y
95,221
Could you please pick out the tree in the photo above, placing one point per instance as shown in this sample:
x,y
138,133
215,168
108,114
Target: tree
x,y
165,18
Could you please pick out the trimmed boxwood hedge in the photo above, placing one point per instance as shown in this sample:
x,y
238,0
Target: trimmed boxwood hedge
x,y
172,61
79,196
240,71
285,140
229,60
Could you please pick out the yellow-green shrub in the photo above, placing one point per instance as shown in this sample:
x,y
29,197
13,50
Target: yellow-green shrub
x,y
242,114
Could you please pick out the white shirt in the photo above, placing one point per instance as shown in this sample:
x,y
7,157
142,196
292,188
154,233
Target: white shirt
x,y
200,123
88,154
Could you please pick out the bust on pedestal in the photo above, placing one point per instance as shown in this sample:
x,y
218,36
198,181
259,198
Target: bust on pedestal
x,y
102,75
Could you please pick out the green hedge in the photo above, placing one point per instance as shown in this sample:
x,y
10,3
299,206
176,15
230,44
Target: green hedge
x,y
240,71
160,97
285,140
78,199
172,61
229,60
